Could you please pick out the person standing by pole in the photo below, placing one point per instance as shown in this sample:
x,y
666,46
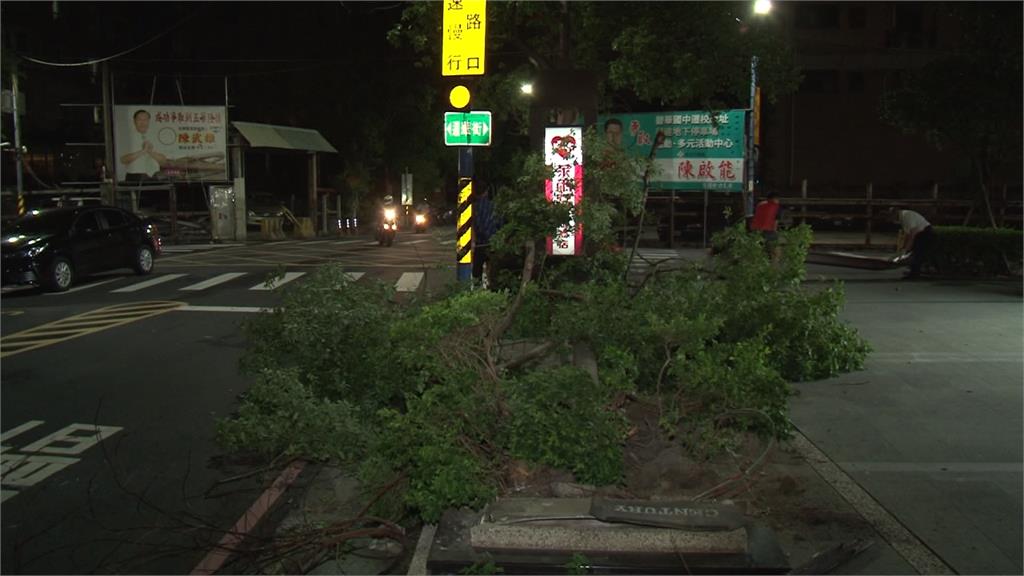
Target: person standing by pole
x,y
485,226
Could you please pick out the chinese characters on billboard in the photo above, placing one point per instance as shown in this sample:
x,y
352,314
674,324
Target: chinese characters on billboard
x,y
702,150
564,156
167,143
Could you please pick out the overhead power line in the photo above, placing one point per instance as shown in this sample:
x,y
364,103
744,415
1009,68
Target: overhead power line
x,y
119,54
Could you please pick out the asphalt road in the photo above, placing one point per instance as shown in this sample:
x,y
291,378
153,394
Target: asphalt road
x,y
110,400
931,429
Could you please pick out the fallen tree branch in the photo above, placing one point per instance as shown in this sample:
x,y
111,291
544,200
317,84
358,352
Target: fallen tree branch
x,y
495,335
533,354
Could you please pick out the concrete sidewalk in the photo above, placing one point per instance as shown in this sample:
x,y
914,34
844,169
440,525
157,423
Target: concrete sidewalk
x,y
932,428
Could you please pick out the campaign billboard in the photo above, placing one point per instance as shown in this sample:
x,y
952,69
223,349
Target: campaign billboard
x,y
702,150
170,143
563,155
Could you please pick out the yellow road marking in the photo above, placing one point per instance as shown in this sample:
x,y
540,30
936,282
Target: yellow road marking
x,y
82,324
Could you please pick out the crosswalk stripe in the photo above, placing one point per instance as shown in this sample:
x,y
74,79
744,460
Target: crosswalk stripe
x,y
348,242
150,282
417,241
280,242
213,281
177,250
447,242
353,276
409,282
78,288
278,282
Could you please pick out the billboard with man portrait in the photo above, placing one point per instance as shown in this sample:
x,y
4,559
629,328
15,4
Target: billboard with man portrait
x,y
701,150
170,143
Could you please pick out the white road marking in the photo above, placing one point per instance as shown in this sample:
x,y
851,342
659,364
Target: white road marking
x,y
353,276
278,282
348,242
213,281
447,242
194,247
20,470
373,244
241,309
150,282
416,241
82,287
177,250
19,429
280,242
409,282
67,441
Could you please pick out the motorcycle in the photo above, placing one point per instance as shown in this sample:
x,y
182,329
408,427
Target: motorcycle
x,y
420,220
387,229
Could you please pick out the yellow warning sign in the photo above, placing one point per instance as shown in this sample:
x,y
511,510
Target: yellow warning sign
x,y
464,230
463,32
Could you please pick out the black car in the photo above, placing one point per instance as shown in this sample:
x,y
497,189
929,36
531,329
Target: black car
x,y
54,247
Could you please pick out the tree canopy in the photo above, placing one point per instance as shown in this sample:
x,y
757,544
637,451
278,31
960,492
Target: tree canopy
x,y
969,100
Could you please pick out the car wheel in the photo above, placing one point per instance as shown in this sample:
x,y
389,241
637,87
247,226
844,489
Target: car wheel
x,y
59,274
391,240
143,262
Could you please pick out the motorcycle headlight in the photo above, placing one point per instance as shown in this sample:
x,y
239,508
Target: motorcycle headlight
x,y
421,219
389,214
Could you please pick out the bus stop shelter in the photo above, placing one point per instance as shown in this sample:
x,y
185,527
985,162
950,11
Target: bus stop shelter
x,y
271,139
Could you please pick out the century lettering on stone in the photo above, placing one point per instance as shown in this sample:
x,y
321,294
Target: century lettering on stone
x,y
667,510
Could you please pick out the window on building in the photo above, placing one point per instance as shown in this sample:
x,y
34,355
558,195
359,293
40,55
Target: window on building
x,y
856,17
907,26
815,15
854,81
820,82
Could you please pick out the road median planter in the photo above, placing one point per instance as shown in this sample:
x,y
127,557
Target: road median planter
x,y
539,535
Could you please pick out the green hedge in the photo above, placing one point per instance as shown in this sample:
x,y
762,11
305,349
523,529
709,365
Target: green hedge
x,y
964,250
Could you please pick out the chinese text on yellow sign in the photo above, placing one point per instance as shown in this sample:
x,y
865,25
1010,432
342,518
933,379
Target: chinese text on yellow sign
x,y
462,37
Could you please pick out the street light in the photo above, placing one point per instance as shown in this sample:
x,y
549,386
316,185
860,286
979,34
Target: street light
x,y
526,88
761,8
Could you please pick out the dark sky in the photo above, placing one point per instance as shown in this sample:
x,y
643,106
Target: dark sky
x,y
284,60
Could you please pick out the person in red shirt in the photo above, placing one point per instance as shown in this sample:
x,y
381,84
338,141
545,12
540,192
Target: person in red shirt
x,y
766,221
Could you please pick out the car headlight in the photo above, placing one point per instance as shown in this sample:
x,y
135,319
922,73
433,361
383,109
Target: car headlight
x,y
33,251
421,219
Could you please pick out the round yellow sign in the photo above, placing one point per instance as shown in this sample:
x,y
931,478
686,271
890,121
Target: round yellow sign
x,y
459,96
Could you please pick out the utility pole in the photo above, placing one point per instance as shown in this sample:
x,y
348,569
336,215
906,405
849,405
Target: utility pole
x,y
17,138
109,190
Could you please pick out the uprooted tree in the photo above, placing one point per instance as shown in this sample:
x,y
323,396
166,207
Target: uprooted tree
x,y
431,401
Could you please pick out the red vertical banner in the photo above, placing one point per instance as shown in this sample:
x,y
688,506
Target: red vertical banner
x,y
564,157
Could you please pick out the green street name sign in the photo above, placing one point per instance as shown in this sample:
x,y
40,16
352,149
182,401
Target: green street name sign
x,y
467,128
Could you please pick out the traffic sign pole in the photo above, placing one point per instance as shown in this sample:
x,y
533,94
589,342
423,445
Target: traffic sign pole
x,y
464,229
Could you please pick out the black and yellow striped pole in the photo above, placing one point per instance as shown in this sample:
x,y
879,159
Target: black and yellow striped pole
x,y
464,230
21,204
